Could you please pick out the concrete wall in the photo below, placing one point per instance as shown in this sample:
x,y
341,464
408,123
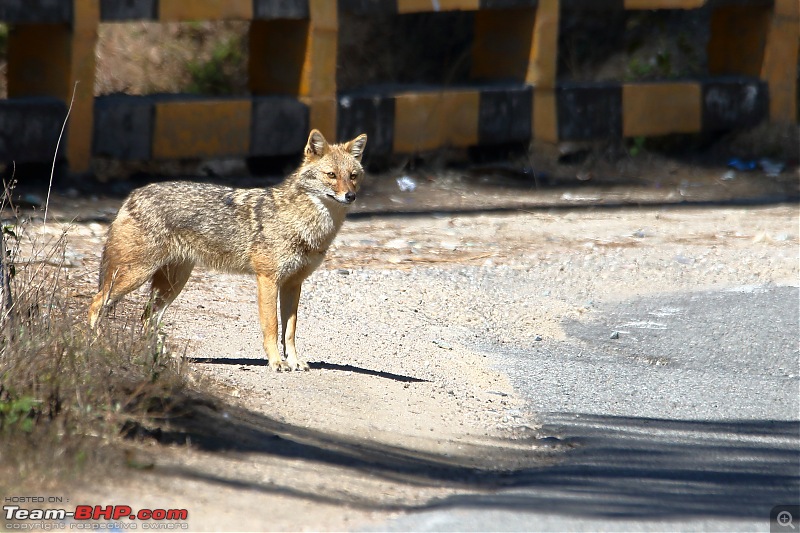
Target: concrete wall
x,y
513,95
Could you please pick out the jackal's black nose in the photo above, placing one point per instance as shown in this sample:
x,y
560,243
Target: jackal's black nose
x,y
349,197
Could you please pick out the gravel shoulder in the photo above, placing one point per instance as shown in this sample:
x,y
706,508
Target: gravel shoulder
x,y
402,407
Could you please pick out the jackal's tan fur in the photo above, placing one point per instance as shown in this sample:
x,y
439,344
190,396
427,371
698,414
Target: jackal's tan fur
x,y
279,233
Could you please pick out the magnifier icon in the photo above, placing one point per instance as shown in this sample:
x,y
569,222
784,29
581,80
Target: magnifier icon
x,y
785,519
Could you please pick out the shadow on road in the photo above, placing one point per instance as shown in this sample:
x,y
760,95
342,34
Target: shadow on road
x,y
319,365
640,468
323,365
612,467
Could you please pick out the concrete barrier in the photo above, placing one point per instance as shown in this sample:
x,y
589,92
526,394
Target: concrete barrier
x,y
513,95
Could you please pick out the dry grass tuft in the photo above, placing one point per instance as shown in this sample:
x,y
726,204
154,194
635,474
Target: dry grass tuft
x,y
66,393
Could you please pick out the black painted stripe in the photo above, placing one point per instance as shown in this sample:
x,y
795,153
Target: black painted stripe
x,y
594,5
279,126
118,10
718,3
390,6
280,9
734,102
363,7
36,11
589,111
507,4
29,128
123,126
370,113
504,114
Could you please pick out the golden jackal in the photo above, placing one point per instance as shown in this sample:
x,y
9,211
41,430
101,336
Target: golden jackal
x,y
278,233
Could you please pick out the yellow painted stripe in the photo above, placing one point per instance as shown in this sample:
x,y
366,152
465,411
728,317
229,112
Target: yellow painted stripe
x,y
86,16
202,129
324,14
781,51
416,121
427,121
545,115
661,108
185,10
459,118
664,4
318,77
543,66
322,115
417,6
319,65
788,8
81,127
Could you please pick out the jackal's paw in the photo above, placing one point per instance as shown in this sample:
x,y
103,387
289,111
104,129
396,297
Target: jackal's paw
x,y
279,366
297,364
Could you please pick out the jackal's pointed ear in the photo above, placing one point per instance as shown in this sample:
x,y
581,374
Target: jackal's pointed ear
x,y
317,145
356,146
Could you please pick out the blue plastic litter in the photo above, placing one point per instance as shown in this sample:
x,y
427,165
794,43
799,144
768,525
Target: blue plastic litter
x,y
742,164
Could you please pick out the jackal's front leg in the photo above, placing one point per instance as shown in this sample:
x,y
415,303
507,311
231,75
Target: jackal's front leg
x,y
268,316
290,299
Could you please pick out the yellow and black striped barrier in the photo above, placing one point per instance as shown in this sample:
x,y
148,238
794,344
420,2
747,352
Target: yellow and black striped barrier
x,y
514,94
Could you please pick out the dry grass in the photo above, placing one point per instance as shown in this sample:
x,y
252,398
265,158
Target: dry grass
x,y
65,392
150,57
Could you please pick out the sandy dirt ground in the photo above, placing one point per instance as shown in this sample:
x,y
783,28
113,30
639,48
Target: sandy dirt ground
x,y
403,405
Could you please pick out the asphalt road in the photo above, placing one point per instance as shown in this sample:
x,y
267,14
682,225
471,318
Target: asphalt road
x,y
684,412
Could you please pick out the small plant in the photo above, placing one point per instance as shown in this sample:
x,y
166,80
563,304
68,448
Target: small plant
x,y
639,69
18,413
216,75
664,63
636,145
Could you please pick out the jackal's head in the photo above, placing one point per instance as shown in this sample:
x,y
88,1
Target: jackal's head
x,y
333,171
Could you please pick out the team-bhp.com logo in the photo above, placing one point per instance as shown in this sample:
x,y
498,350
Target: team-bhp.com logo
x,y
86,517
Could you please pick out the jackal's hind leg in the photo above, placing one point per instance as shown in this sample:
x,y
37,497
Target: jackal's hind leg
x,y
166,284
118,280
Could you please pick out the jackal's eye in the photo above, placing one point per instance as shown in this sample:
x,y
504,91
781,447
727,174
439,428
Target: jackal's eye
x,y
331,175
354,176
